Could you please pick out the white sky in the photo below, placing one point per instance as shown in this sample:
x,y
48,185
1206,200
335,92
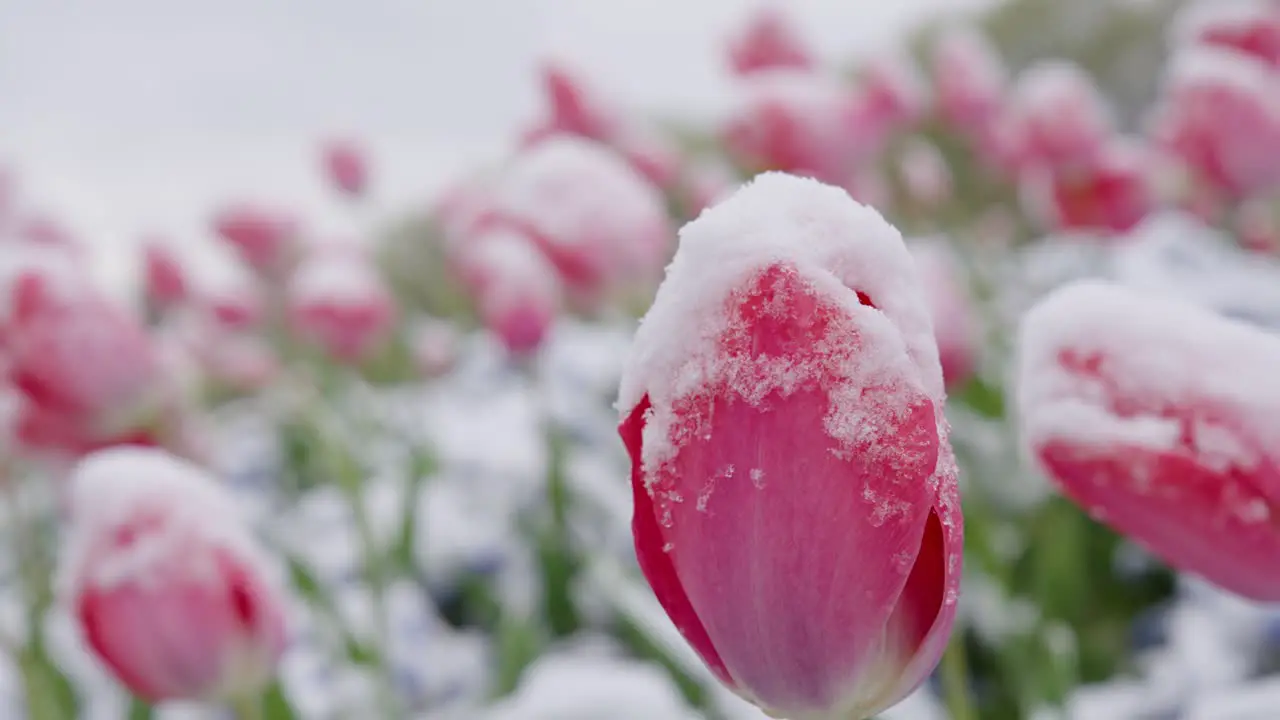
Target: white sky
x,y
138,115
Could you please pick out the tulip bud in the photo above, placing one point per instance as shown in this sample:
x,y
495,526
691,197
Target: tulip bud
x,y
969,79
800,122
347,167
338,300
768,41
517,290
166,584
1249,26
1057,116
434,344
1221,117
950,307
164,278
893,91
264,238
1109,195
1163,421
925,174
796,510
598,221
88,372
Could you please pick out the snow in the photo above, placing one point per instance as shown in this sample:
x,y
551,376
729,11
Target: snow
x,y
1166,353
333,275
837,247
124,487
1207,66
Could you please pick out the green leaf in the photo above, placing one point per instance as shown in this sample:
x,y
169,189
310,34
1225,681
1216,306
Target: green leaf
x,y
276,705
139,710
311,590
49,694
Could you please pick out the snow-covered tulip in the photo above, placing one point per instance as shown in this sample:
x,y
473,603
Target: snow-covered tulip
x,y
88,372
924,174
338,301
893,91
166,584
950,307
768,40
346,166
1109,195
969,79
1057,117
801,122
1221,116
265,238
1250,26
1162,420
577,108
796,510
516,288
164,278
600,223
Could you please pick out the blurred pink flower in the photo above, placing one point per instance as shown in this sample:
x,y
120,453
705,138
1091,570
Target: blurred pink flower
x,y
87,371
1056,118
796,508
925,175
950,307
164,278
166,584
347,166
1221,116
1111,194
800,122
893,91
339,301
969,79
1162,420
578,109
234,306
1250,26
602,225
265,239
516,288
768,40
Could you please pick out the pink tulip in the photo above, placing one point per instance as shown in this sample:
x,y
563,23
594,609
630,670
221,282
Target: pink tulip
x,y
265,239
1249,26
347,167
769,41
598,221
951,309
925,175
1160,419
88,372
166,583
969,79
235,306
1057,117
1112,194
893,92
516,288
796,510
578,109
164,278
338,300
45,230
800,122
1221,117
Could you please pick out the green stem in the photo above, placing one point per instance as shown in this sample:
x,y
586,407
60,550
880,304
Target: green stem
x,y
249,707
955,681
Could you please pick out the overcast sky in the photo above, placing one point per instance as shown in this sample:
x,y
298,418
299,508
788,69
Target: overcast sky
x,y
140,115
